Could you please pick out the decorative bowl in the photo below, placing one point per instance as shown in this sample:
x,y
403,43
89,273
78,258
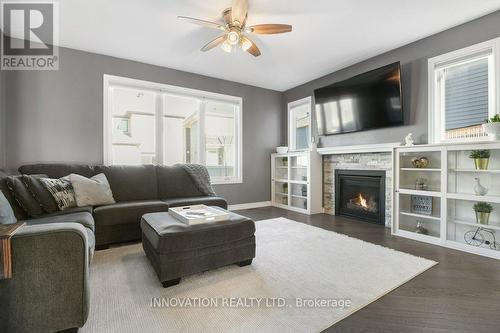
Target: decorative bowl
x,y
282,150
420,162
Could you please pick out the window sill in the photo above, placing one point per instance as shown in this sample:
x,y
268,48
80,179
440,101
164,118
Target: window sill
x,y
226,182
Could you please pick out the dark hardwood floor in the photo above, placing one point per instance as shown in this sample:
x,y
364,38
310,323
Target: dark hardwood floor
x,y
460,294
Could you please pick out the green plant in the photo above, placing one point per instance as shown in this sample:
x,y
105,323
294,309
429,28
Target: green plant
x,y
495,119
476,154
483,207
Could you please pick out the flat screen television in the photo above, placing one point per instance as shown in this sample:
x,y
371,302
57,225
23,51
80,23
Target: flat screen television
x,y
366,101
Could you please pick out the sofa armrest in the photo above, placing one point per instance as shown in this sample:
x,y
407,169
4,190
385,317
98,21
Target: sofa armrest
x,y
48,290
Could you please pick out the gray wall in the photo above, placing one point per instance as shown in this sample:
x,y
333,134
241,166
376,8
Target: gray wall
x,y
56,116
413,58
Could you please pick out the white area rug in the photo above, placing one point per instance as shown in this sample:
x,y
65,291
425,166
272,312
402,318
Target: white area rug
x,y
294,261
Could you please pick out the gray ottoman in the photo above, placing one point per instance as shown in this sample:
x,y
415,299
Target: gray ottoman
x,y
176,249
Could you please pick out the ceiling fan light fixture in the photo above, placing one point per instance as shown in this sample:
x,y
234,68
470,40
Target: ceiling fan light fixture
x,y
226,46
246,44
233,37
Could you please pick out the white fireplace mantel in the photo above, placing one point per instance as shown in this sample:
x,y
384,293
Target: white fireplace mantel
x,y
359,149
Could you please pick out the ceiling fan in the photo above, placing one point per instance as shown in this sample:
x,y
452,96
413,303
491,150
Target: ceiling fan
x,y
235,30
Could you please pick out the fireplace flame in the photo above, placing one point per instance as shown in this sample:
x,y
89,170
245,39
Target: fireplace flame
x,y
362,201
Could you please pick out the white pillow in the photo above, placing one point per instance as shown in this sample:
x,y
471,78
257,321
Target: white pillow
x,y
91,191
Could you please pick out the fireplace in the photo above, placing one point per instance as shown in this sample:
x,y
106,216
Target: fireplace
x,y
360,194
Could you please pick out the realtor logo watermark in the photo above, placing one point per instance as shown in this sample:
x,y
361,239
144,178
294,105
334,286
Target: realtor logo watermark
x,y
30,33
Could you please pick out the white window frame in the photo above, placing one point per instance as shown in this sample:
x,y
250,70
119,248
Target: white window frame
x,y
110,81
292,144
436,65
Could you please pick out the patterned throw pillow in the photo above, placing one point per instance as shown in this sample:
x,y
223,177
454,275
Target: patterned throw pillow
x,y
62,191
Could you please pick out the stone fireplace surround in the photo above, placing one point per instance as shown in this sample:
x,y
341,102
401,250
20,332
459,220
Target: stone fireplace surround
x,y
357,159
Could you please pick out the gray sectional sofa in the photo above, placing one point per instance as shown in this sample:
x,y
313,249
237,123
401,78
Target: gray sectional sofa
x,y
49,290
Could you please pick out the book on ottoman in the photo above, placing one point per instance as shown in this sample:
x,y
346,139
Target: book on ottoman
x,y
198,214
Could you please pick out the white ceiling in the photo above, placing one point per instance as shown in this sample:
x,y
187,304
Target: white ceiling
x,y
327,34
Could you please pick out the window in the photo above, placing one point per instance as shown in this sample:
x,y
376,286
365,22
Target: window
x,y
463,92
299,124
149,123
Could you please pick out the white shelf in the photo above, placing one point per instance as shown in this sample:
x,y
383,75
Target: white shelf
x,y
456,176
474,224
475,171
303,182
423,193
420,216
473,197
421,169
418,237
301,164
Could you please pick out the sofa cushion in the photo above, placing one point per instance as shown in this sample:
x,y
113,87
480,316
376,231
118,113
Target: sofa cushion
x,y
57,170
127,212
86,209
19,213
175,182
131,183
92,191
204,200
82,218
6,212
40,193
23,197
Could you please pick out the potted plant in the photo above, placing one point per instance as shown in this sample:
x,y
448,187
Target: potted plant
x,y
492,127
483,210
481,159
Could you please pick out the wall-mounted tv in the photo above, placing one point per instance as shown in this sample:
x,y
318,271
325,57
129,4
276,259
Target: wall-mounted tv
x,y
366,101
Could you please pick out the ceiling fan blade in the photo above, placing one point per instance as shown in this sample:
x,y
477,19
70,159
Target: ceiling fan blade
x,y
253,49
268,29
216,42
239,11
203,23
226,15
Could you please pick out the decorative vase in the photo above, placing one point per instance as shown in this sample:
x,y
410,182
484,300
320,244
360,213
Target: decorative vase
x,y
420,229
493,130
482,218
481,163
478,188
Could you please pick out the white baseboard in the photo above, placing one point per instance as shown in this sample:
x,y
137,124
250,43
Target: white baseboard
x,y
250,205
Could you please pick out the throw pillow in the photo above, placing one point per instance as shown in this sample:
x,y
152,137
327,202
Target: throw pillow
x,y
91,191
62,191
23,196
19,213
6,212
40,193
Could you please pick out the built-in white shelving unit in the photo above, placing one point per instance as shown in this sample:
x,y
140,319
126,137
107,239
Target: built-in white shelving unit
x,y
296,181
443,206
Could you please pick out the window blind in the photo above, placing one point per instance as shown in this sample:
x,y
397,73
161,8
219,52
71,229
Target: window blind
x,y
466,94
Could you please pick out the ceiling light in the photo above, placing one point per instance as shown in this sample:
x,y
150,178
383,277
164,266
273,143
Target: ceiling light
x,y
233,37
246,44
226,46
